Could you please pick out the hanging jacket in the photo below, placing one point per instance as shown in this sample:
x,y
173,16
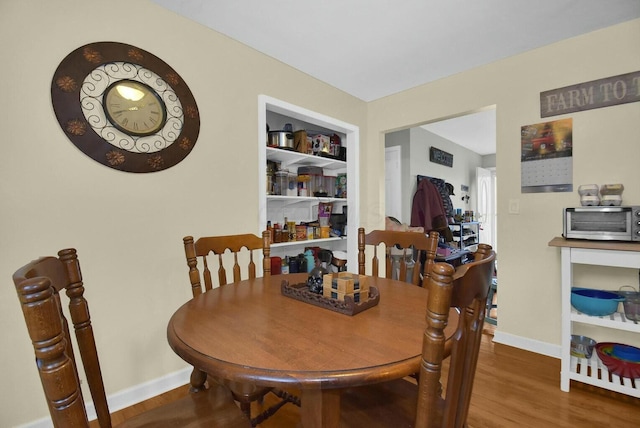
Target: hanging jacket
x,y
428,210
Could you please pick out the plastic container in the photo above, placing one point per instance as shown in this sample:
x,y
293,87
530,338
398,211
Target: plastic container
x,y
626,352
282,182
595,302
632,308
589,201
611,189
631,303
616,365
330,185
611,200
588,190
292,184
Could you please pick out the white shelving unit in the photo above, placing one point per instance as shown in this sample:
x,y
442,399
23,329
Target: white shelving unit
x,y
592,371
466,234
300,208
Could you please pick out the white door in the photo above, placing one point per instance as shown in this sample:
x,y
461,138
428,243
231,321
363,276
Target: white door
x,y
486,180
392,182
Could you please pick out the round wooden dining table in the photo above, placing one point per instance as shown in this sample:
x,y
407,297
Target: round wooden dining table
x,y
250,332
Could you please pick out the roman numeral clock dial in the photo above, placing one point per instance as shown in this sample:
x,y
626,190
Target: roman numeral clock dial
x,y
134,107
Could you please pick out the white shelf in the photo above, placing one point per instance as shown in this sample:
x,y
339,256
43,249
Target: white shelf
x,y
307,242
303,199
593,372
301,208
465,231
617,320
290,158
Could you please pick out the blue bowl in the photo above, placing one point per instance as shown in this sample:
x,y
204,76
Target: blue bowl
x,y
595,302
626,352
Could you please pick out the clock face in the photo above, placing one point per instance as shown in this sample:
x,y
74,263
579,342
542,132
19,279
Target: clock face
x,y
124,107
134,108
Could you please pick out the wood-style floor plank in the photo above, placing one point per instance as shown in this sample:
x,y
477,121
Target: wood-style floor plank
x,y
513,388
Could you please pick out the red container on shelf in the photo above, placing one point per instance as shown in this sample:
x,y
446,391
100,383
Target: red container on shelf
x,y
276,265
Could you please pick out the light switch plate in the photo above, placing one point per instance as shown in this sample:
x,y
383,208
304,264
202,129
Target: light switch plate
x,y
514,206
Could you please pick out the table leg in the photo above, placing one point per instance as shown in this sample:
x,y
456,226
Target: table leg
x,y
320,408
198,379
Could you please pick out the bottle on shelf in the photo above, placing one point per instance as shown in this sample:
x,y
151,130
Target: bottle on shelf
x,y
285,231
277,233
270,230
285,265
291,226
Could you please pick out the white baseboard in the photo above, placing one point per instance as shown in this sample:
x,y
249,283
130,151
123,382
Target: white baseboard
x,y
531,345
130,396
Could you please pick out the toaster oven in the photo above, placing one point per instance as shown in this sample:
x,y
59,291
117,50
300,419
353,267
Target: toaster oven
x,y
602,223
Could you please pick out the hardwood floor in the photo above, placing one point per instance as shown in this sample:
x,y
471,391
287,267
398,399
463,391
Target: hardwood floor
x,y
513,388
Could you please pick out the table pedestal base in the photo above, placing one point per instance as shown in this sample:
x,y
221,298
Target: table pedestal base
x,y
320,408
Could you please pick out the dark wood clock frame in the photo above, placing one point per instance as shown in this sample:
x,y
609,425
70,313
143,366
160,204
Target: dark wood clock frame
x,y
65,95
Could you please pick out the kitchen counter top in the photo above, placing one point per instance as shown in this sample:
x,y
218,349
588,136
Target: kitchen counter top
x,y
559,241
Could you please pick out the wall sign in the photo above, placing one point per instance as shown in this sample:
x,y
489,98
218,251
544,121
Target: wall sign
x,y
610,91
441,157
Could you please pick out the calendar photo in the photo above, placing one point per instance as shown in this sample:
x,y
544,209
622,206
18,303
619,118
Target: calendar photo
x,y
546,157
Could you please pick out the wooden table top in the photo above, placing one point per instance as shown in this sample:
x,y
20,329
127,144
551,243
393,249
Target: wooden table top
x,y
249,331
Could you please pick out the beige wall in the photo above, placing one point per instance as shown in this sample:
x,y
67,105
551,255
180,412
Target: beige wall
x,y
606,150
128,228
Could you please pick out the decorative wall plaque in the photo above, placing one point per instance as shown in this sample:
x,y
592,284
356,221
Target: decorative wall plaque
x,y
441,157
611,91
124,107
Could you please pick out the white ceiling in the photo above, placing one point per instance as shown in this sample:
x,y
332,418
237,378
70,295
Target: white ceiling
x,y
374,48
476,132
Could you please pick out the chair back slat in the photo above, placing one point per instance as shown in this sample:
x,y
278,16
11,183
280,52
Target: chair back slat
x,y
222,272
423,247
235,247
39,285
471,283
236,268
252,265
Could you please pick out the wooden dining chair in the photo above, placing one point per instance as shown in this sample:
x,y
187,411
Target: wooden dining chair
x,y
40,286
418,249
220,254
436,401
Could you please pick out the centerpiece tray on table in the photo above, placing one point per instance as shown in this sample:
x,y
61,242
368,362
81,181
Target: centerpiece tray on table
x,y
342,292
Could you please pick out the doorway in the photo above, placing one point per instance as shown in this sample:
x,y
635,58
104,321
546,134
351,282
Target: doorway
x,y
393,181
471,138
486,185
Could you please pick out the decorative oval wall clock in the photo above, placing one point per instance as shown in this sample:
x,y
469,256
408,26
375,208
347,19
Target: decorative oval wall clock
x,y
124,107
